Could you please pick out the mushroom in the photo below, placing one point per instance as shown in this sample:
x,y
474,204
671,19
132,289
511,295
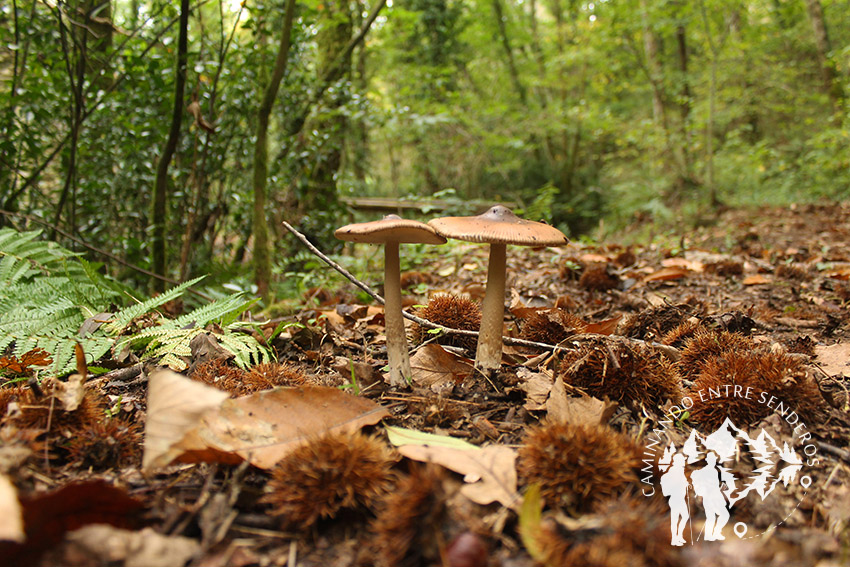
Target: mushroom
x,y
498,227
392,231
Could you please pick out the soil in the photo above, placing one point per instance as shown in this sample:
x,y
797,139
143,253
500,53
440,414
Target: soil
x,y
758,299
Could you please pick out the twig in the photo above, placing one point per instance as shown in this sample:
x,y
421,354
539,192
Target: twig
x,y
669,351
837,451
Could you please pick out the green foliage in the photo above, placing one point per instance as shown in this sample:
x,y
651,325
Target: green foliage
x,y
48,294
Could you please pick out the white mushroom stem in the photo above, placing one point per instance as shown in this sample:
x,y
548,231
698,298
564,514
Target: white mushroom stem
x,y
399,358
488,356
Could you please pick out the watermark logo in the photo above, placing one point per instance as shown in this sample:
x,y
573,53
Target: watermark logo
x,y
699,474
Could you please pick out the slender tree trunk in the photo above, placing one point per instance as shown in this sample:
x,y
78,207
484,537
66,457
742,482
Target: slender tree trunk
x,y
262,253
160,194
498,13
653,63
685,102
831,84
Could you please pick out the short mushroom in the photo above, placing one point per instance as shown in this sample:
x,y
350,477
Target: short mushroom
x,y
498,227
392,231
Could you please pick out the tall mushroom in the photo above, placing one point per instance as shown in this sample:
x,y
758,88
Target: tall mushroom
x,y
498,227
392,231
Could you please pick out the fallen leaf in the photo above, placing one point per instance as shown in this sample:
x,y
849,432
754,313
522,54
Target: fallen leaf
x,y
667,274
691,265
69,394
434,367
536,386
594,258
175,407
399,436
606,327
261,428
107,545
11,514
582,410
838,272
489,472
834,359
49,516
755,279
530,518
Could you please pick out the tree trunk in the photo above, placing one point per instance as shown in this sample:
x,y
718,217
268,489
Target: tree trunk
x,y
656,71
262,254
498,13
685,102
831,84
160,195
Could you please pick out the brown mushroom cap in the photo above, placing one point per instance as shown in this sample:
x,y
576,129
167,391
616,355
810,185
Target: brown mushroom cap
x,y
391,228
498,225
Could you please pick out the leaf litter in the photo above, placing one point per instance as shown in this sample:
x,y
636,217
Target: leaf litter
x,y
779,280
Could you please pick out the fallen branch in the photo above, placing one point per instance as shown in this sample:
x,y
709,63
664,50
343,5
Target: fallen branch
x,y
669,351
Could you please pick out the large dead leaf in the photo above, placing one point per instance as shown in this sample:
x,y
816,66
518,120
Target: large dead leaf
x,y
606,327
106,545
69,394
582,410
175,407
11,514
834,359
490,472
536,386
434,367
49,516
261,428
667,274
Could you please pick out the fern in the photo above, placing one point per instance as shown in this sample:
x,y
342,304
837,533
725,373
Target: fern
x,y
48,292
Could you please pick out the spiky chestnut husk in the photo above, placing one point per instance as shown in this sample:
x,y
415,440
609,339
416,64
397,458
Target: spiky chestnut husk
x,y
725,268
111,443
39,412
680,334
777,374
409,521
551,326
597,277
219,373
270,375
578,466
631,374
793,272
707,344
651,324
334,472
9,394
450,311
632,533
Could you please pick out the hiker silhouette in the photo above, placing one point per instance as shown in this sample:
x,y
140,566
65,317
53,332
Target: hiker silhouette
x,y
674,485
707,484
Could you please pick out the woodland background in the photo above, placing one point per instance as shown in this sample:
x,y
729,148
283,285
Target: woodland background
x,y
175,137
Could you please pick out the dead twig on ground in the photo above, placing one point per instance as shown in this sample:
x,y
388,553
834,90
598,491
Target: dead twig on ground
x,y
671,352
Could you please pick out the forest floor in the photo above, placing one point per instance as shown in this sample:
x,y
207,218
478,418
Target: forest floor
x,y
555,460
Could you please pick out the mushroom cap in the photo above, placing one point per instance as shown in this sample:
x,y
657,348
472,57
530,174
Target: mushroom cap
x,y
498,225
391,228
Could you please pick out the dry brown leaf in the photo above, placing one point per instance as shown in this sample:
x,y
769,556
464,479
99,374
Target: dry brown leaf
x,y
175,407
756,279
536,386
11,513
107,545
834,359
838,272
667,274
490,472
261,428
69,394
435,367
583,410
594,258
692,265
606,327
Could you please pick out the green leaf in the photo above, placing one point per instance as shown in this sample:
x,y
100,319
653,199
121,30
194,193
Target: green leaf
x,y
399,436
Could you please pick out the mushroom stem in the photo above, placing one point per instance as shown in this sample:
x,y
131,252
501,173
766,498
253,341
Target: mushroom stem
x,y
399,358
488,356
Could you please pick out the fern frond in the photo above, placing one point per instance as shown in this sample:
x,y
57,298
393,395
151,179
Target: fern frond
x,y
123,317
214,311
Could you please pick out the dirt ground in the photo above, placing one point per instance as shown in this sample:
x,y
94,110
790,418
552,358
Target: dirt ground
x,y
557,459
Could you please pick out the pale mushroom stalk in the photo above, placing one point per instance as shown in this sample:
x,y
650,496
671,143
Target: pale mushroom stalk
x,y
397,354
392,231
488,355
497,227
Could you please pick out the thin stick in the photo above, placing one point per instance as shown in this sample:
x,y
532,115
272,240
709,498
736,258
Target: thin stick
x,y
671,352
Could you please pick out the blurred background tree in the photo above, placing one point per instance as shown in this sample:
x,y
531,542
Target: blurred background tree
x,y
580,112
